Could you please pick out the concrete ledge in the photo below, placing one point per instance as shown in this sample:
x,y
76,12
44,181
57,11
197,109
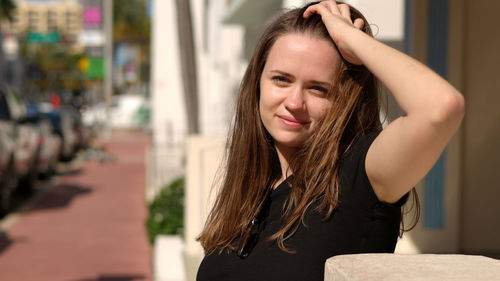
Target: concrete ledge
x,y
168,262
394,267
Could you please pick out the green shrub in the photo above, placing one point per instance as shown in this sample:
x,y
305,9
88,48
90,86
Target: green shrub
x,y
166,211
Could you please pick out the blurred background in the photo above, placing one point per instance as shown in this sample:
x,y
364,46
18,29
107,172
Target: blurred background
x,y
113,116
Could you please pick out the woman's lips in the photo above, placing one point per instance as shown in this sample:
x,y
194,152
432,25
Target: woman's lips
x,y
292,122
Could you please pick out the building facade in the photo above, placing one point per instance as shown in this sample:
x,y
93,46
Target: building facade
x,y
64,17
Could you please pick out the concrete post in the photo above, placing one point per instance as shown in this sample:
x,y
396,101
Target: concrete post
x,y
424,267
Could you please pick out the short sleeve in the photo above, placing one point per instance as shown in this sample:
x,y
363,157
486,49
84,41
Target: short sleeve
x,y
354,179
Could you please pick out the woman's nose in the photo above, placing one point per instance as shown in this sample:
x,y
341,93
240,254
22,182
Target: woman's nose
x,y
295,99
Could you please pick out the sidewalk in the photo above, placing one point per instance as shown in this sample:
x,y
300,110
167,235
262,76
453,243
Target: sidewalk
x,y
89,226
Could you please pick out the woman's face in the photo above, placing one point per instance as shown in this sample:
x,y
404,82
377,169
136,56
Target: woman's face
x,y
294,86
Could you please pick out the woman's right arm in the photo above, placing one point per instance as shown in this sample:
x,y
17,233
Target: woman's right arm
x,y
409,146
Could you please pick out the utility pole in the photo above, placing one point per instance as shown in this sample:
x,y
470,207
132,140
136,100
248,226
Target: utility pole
x,y
108,59
188,62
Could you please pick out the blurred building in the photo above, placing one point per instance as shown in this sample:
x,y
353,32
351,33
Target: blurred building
x,y
63,17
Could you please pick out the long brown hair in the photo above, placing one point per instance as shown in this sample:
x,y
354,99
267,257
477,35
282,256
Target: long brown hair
x,y
252,164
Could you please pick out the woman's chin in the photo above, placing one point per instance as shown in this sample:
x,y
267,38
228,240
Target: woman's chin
x,y
289,144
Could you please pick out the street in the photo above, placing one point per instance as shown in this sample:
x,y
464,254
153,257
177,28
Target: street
x,y
87,223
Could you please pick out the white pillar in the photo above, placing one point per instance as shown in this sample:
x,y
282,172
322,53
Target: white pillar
x,y
168,109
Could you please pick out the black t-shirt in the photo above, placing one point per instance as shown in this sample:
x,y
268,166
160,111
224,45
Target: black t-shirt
x,y
360,224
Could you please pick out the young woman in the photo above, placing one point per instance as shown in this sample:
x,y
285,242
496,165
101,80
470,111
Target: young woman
x,y
310,173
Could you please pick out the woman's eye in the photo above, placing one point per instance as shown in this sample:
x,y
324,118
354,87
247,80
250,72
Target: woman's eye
x,y
280,80
319,89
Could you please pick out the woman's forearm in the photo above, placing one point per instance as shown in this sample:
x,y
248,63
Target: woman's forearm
x,y
420,92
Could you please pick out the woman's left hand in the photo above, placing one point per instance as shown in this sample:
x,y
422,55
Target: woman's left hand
x,y
337,20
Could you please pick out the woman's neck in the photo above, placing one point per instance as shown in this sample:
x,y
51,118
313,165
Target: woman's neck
x,y
284,155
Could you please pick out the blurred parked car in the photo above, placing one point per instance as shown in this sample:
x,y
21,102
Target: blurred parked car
x,y
64,125
25,136
8,177
49,142
79,128
50,146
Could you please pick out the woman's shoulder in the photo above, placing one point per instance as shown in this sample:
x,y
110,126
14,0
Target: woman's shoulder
x,y
352,174
352,166
353,178
360,145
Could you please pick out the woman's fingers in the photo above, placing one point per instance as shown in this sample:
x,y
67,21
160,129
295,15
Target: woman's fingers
x,y
337,20
345,11
359,23
331,7
314,9
319,9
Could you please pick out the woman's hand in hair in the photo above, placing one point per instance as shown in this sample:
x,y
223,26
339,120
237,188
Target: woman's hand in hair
x,y
409,146
337,19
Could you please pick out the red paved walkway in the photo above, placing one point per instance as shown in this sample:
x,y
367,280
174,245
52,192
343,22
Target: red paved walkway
x,y
89,227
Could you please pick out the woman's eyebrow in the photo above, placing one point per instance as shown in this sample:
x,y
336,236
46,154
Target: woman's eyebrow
x,y
321,83
281,73
315,82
